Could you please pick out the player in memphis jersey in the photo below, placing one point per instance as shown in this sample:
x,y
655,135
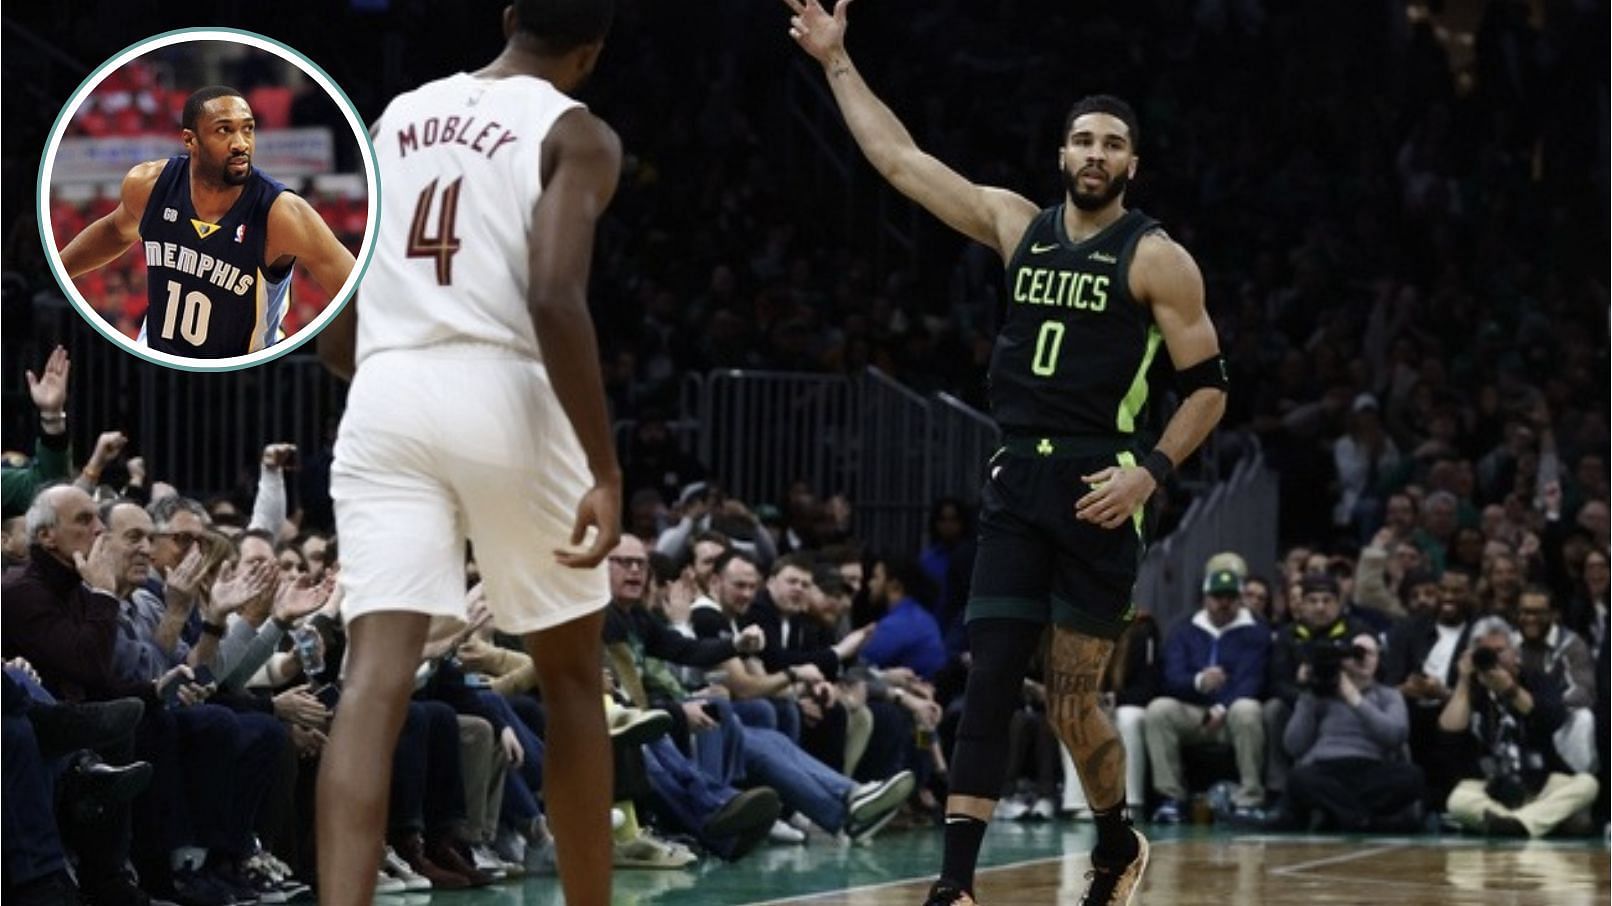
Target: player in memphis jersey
x,y
220,237
1094,291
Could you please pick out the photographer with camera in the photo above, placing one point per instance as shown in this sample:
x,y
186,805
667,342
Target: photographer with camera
x,y
1320,627
1516,784
1347,738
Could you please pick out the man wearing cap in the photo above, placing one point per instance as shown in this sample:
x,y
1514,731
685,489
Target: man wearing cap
x,y
1318,621
1214,676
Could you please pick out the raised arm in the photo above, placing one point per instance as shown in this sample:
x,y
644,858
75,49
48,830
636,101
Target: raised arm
x,y
297,231
581,164
104,240
994,217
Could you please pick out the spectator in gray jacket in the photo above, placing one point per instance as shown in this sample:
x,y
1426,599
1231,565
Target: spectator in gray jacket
x,y
1348,747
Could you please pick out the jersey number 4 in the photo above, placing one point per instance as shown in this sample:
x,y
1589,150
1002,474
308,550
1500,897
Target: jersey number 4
x,y
444,245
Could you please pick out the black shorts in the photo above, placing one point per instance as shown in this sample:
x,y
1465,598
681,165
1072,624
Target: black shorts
x,y
1035,560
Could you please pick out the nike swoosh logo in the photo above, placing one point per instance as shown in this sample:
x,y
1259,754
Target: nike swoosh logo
x,y
1037,248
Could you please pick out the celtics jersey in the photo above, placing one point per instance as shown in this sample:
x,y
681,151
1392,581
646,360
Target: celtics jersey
x,y
1073,354
210,294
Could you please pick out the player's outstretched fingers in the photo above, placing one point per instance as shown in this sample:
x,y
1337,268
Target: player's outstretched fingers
x,y
795,5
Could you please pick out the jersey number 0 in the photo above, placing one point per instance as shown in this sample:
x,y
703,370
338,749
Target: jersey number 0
x,y
444,245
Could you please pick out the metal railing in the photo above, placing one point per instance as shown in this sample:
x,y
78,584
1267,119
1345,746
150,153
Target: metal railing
x,y
1238,514
766,429
890,450
201,432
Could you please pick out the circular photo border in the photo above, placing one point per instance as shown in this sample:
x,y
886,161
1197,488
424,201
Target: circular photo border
x,y
366,149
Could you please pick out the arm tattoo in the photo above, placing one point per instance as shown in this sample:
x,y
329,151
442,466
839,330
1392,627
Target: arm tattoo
x,y
839,70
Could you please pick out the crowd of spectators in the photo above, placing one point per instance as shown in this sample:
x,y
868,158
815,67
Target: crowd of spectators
x,y
1406,266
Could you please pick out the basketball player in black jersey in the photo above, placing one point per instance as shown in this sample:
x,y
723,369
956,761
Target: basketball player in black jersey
x,y
220,236
1094,291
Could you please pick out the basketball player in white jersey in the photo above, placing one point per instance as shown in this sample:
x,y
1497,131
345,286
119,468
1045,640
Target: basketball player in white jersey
x,y
477,410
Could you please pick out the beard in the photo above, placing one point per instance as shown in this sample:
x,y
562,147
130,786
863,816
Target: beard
x,y
222,175
1087,201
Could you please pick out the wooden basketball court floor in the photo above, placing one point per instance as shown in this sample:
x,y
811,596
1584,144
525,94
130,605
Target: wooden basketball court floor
x,y
1037,865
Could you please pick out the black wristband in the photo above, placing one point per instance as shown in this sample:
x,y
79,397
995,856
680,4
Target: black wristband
x,y
1158,465
213,629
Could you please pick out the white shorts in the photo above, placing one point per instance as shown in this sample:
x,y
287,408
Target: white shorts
x,y
449,442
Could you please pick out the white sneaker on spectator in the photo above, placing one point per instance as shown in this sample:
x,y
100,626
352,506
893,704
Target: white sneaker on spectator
x,y
272,878
631,726
872,805
393,865
1044,809
509,846
540,845
1010,809
386,884
801,823
783,832
481,856
648,851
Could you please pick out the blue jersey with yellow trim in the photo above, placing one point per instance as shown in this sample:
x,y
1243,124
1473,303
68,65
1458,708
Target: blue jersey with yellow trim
x,y
210,294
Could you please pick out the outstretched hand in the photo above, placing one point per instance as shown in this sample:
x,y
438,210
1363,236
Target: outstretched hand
x,y
599,509
1117,493
817,32
49,388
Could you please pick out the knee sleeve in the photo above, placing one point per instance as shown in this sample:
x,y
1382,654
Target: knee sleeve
x,y
1002,650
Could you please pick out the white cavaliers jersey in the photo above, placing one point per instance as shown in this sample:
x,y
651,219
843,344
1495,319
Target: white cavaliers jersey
x,y
459,162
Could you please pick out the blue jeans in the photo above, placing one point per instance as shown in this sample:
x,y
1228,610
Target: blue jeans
x,y
522,784
804,784
212,768
428,787
720,751
686,794
33,848
239,752
779,714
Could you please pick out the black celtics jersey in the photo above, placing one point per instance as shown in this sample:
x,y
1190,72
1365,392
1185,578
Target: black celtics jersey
x,y
209,291
1075,348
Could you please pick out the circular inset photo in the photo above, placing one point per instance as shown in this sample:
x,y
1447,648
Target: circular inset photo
x,y
208,199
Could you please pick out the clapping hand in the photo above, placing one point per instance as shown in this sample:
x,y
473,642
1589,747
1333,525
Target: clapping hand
x,y
295,600
237,586
185,579
98,570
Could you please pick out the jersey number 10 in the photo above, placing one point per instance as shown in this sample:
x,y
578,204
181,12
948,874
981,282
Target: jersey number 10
x,y
444,245
198,312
